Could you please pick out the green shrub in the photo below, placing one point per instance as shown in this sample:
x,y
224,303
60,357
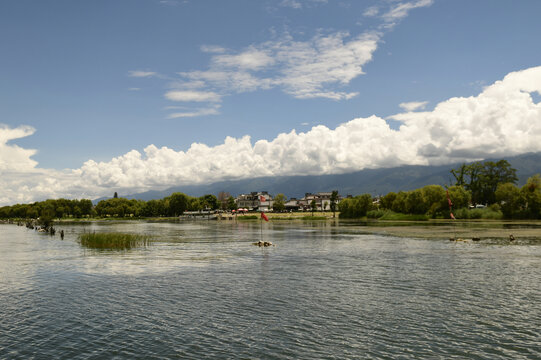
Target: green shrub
x,y
475,214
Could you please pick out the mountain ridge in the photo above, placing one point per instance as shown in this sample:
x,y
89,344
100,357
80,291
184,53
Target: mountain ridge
x,y
373,181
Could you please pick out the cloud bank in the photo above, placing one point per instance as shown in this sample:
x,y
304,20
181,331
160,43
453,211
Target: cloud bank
x,y
503,120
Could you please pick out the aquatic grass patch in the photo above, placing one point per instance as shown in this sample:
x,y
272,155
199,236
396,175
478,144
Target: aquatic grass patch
x,y
248,217
313,218
113,241
477,214
376,214
391,215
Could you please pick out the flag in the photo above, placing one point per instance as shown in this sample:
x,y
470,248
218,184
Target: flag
x,y
263,216
453,217
449,200
262,198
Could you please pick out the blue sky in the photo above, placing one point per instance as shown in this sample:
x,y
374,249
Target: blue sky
x,y
112,94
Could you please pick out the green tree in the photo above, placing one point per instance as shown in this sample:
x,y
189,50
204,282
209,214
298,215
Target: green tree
x,y
334,200
178,202
231,205
493,174
511,200
414,202
387,201
434,198
86,206
355,207
459,196
46,218
279,203
313,206
482,179
532,197
209,202
400,204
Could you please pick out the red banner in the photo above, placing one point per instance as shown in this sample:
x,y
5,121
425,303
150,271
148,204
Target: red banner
x,y
263,216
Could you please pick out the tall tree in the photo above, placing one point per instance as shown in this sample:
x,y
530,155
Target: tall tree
x,y
279,203
178,202
313,206
482,179
334,199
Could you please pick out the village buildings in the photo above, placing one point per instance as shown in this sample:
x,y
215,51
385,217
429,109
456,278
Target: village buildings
x,y
263,201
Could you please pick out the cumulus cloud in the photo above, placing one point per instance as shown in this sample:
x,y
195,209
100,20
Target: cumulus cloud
x,y
502,120
413,105
13,157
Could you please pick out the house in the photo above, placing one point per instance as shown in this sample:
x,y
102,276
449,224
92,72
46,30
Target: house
x,y
322,199
257,200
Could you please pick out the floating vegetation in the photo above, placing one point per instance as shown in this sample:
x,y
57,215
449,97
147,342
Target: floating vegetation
x,y
113,241
248,217
314,218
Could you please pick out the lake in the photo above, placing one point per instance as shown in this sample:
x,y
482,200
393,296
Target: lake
x,y
326,291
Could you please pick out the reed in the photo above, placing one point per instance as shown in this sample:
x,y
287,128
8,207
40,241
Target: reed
x,y
314,218
113,241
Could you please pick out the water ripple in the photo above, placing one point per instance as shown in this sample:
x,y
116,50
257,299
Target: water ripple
x,y
203,291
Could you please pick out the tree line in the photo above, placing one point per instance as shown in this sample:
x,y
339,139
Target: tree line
x,y
174,205
490,184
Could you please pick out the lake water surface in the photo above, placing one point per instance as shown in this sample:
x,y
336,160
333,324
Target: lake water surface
x,y
326,290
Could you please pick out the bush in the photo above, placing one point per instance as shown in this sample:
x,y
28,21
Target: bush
x,y
486,213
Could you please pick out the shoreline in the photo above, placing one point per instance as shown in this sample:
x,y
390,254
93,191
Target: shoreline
x,y
431,229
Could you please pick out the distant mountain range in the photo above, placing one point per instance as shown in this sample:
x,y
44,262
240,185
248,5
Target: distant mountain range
x,y
372,181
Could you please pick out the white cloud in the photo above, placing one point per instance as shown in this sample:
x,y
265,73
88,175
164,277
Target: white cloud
x,y
250,59
371,11
413,105
401,10
305,69
188,96
13,157
295,4
503,120
142,74
212,49
195,113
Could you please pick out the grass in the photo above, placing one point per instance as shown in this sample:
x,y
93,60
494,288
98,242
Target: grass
x,y
314,218
113,241
248,217
390,215
484,214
